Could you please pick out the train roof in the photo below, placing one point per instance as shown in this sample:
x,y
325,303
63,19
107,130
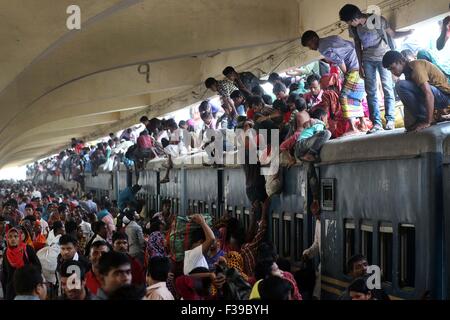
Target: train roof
x,y
387,145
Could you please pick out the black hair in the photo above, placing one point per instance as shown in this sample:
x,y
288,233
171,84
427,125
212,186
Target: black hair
x,y
308,36
266,252
284,264
29,205
275,288
354,259
273,77
57,225
280,105
391,57
255,101
279,87
300,102
210,82
26,279
318,113
171,123
359,285
110,260
258,91
119,236
143,119
236,94
67,239
155,224
99,243
263,269
182,123
128,292
349,12
66,273
228,70
159,268
312,78
267,99
198,235
70,226
202,286
97,225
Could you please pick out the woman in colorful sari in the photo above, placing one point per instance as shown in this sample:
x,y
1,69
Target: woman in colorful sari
x,y
17,255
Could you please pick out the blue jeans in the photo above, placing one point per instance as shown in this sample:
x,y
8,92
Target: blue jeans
x,y
370,81
413,99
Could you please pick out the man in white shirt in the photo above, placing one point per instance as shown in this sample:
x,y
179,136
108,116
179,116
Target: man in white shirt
x,y
202,239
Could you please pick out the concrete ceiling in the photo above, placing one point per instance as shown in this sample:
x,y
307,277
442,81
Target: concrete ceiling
x,y
56,83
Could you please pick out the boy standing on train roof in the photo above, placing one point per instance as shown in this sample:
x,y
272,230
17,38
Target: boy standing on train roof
x,y
342,53
373,35
426,88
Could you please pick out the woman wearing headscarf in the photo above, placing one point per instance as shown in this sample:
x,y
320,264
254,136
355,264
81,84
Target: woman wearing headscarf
x,y
17,255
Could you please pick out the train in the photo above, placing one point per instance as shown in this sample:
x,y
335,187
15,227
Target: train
x,y
386,196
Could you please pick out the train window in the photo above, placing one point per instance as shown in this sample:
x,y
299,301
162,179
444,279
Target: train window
x,y
275,229
206,208
349,241
385,248
214,211
196,206
367,240
327,187
407,250
230,211
238,214
287,234
246,218
298,236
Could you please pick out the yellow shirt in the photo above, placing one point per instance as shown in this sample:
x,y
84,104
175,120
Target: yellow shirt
x,y
424,71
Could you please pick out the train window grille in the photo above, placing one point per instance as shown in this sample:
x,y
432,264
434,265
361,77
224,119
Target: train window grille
x,y
275,229
231,212
195,207
246,218
239,215
349,241
328,191
367,241
385,248
298,235
286,234
214,211
206,208
407,250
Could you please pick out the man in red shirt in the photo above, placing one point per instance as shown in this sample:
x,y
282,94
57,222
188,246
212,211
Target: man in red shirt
x,y
93,276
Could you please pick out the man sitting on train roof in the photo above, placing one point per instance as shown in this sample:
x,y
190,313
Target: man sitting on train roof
x,y
424,90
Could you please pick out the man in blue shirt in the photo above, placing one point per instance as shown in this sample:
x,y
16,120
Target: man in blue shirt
x,y
128,196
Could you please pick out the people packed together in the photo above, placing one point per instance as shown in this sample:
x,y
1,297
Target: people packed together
x,y
123,252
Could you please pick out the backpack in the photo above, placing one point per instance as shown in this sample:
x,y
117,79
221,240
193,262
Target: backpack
x,y
236,288
180,235
381,32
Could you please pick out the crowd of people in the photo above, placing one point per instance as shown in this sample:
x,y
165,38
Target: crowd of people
x,y
120,251
56,246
